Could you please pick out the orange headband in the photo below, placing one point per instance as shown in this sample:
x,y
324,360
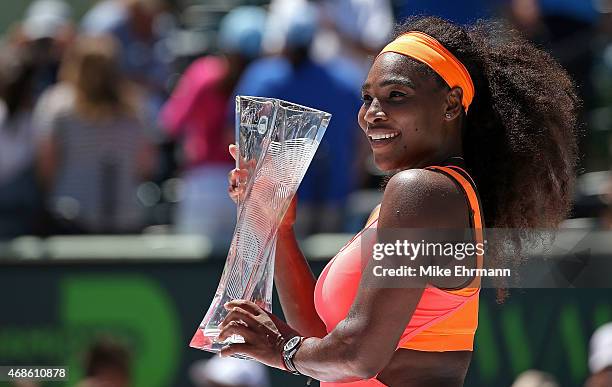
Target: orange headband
x,y
428,50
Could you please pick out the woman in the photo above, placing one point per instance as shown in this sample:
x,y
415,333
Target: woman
x,y
480,100
95,151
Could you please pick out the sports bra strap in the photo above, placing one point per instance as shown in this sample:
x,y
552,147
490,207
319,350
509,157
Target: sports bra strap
x,y
468,188
461,177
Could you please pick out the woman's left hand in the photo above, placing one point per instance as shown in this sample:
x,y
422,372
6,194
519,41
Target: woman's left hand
x,y
264,334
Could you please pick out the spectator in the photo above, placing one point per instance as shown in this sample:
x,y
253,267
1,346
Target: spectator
x,y
95,152
361,28
25,383
565,29
103,17
229,372
133,24
295,77
605,217
600,123
19,195
535,378
526,16
197,112
600,357
107,364
45,33
561,27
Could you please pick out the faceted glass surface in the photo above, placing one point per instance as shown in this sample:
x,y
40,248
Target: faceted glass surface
x,y
276,142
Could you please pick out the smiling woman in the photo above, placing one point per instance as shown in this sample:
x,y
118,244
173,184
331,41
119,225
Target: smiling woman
x,y
477,127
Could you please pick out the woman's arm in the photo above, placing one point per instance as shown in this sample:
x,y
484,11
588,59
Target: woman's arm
x,y
295,284
364,342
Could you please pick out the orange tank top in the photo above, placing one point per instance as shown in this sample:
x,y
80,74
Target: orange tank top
x,y
444,320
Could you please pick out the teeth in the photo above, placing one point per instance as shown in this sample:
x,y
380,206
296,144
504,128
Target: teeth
x,y
382,136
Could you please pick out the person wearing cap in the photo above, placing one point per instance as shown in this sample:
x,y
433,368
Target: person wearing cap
x,y
535,378
228,372
107,363
295,76
600,357
45,33
196,115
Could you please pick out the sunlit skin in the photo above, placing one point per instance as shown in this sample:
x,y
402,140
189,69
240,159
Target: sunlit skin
x,y
398,99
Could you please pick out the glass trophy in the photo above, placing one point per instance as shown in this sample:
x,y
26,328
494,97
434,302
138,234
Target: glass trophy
x,y
276,143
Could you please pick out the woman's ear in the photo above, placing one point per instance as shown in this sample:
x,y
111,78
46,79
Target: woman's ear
x,y
454,107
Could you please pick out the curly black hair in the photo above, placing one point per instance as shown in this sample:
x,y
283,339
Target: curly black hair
x,y
520,133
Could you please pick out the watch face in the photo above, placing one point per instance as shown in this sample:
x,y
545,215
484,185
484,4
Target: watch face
x,y
292,343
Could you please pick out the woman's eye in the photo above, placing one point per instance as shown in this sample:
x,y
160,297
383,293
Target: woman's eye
x,y
396,94
366,98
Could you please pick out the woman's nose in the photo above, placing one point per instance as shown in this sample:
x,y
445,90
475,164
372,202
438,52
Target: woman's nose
x,y
375,112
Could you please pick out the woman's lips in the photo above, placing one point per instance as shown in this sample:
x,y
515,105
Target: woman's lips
x,y
381,139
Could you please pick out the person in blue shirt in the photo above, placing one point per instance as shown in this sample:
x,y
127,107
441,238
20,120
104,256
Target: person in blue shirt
x,y
295,77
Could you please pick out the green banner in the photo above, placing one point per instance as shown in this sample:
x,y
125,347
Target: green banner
x,y
52,312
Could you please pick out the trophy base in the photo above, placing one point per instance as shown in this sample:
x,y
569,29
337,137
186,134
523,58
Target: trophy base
x,y
205,339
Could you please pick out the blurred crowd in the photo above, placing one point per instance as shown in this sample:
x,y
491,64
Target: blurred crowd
x,y
118,121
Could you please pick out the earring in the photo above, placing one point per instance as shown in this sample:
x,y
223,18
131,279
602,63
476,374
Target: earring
x,y
449,116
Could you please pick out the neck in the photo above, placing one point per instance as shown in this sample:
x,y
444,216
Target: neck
x,y
453,152
453,149
441,160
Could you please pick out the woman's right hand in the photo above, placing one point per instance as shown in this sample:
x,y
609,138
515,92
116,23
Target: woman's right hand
x,y
237,179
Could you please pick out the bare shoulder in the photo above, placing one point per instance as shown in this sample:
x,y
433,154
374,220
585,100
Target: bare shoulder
x,y
422,198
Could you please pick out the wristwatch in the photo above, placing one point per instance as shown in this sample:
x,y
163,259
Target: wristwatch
x,y
289,350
